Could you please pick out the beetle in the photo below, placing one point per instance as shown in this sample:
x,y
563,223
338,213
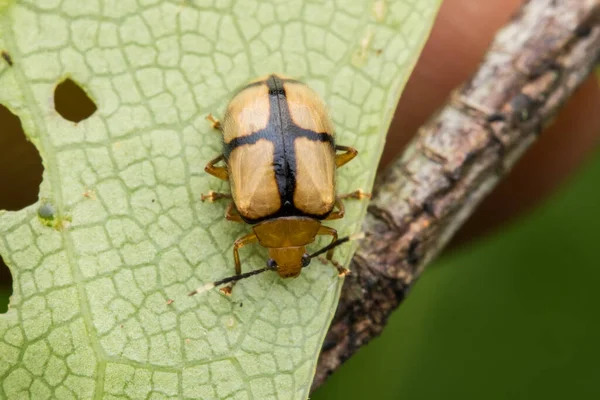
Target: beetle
x,y
280,160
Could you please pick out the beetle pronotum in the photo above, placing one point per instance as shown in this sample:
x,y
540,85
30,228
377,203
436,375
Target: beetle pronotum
x,y
281,158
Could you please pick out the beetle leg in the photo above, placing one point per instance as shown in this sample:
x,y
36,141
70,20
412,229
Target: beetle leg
x,y
231,214
213,196
341,159
219,172
357,195
214,122
325,230
241,242
341,210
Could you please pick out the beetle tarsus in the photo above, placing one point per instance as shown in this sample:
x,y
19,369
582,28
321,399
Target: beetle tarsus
x,y
214,122
226,290
339,267
213,196
357,195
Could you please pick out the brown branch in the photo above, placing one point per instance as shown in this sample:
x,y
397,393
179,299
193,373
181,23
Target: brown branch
x,y
533,66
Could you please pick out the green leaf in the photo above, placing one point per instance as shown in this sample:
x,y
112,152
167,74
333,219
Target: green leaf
x,y
119,230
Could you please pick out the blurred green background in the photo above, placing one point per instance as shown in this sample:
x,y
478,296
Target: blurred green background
x,y
513,315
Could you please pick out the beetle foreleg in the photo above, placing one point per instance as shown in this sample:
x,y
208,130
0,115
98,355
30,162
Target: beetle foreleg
x,y
325,230
219,172
341,159
241,242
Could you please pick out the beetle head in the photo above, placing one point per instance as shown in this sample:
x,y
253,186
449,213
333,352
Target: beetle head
x,y
289,261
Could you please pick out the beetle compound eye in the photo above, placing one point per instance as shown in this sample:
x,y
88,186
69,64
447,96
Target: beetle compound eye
x,y
305,260
271,264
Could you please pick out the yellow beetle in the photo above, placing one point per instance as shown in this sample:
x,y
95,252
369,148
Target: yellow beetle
x,y
281,158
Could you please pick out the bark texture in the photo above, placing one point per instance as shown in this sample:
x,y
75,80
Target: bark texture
x,y
532,67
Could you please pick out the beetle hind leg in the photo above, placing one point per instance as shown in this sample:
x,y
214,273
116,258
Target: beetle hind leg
x,y
232,214
344,158
339,213
219,172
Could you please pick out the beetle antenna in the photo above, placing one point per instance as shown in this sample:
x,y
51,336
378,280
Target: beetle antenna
x,y
338,242
233,278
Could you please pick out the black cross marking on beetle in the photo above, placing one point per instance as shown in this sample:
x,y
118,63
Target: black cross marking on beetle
x,y
281,131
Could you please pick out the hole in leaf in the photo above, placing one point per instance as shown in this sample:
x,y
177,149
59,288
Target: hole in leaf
x,y
5,286
71,101
20,164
